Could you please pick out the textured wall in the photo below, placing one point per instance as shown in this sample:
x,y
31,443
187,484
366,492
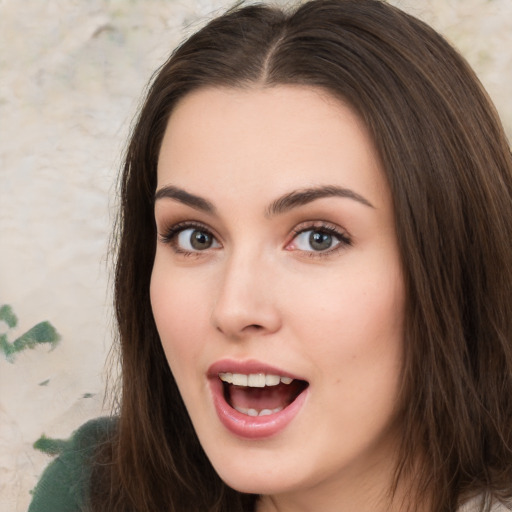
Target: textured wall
x,y
71,75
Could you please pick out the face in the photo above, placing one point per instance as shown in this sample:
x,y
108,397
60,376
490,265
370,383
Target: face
x,y
277,288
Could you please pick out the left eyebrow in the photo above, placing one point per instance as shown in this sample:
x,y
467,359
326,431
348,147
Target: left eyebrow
x,y
304,196
182,196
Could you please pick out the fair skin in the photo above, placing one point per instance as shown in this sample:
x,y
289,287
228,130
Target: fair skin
x,y
252,276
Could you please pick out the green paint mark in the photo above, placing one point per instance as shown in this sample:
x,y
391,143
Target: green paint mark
x,y
88,395
7,315
45,382
50,446
43,332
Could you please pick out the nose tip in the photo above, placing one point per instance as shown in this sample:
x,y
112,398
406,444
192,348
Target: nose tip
x,y
245,305
245,318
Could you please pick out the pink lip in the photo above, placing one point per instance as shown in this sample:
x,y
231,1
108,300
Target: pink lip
x,y
251,427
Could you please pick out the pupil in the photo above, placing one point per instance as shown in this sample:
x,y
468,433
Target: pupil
x,y
320,241
200,240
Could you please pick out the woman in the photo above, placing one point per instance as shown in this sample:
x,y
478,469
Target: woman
x,y
314,276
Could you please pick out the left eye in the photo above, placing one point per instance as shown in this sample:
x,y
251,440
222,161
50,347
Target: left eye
x,y
317,240
194,239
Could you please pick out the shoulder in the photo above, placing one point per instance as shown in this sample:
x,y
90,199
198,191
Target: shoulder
x,y
63,487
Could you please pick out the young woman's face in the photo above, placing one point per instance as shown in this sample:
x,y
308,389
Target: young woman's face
x,y
277,259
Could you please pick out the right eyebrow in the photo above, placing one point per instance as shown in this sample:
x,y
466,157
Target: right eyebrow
x,y
301,197
178,194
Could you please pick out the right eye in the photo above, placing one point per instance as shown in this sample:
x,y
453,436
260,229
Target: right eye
x,y
190,239
193,239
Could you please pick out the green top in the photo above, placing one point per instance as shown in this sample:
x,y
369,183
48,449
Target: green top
x,y
64,485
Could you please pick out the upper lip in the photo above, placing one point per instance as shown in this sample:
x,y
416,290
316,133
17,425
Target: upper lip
x,y
250,366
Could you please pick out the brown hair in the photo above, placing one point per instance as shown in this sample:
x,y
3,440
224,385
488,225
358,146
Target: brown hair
x,y
449,169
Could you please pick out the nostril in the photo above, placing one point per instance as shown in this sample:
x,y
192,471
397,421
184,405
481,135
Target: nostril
x,y
253,327
248,329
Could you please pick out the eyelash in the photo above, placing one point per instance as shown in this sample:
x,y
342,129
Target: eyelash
x,y
325,228
171,234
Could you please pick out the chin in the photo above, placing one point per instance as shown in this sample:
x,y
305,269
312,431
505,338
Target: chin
x,y
266,473
252,482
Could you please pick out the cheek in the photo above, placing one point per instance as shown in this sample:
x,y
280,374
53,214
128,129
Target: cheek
x,y
350,305
353,327
355,341
179,312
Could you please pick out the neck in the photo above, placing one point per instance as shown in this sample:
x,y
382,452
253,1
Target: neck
x,y
371,491
341,501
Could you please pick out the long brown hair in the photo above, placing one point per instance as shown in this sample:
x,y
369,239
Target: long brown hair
x,y
449,168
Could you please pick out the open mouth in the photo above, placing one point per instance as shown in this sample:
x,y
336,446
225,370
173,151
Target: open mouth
x,y
260,394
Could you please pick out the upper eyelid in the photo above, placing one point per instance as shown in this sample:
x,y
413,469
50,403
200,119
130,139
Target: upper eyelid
x,y
319,225
187,224
174,229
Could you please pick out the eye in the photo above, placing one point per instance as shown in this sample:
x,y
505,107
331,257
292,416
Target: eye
x,y
318,239
193,239
315,240
190,239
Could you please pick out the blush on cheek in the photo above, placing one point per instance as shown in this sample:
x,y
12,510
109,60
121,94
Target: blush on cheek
x,y
177,319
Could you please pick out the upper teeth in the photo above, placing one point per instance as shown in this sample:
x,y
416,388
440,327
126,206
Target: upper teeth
x,y
253,380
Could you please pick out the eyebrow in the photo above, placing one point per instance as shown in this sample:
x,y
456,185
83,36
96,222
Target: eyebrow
x,y
178,194
281,205
308,195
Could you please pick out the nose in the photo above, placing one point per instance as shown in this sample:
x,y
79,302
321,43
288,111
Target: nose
x,y
246,301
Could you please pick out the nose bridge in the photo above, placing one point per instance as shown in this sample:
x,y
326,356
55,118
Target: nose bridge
x,y
245,302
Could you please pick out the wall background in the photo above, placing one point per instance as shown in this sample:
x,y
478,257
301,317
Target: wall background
x,y
71,76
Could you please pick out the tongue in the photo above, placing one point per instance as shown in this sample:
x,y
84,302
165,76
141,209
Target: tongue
x,y
269,397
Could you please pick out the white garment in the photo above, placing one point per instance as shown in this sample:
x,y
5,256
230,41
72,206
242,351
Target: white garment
x,y
474,505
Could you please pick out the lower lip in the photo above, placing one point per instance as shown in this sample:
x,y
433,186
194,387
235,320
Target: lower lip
x,y
253,427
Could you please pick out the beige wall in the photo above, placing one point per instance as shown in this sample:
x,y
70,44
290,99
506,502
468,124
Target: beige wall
x,y
71,74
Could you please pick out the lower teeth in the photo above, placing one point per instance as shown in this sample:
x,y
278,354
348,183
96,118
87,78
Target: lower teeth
x,y
254,412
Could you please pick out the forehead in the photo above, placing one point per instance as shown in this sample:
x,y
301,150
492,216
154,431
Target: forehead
x,y
267,141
